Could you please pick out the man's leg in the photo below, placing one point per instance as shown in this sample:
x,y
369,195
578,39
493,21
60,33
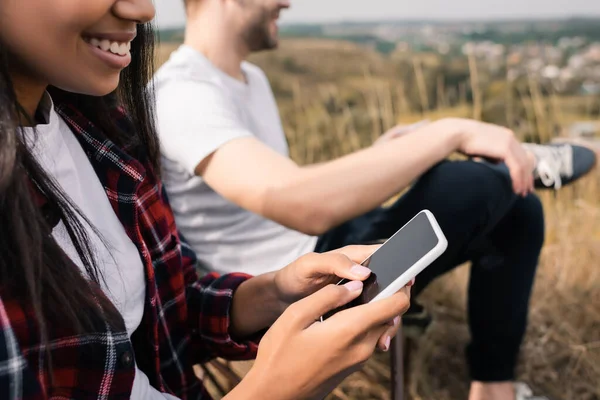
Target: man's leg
x,y
450,190
483,221
499,291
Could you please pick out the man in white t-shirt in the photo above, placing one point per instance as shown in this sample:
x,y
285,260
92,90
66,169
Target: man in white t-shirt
x,y
239,200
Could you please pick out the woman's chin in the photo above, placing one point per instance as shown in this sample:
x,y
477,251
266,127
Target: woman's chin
x,y
95,87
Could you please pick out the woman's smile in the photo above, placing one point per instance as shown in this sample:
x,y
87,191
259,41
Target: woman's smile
x,y
113,49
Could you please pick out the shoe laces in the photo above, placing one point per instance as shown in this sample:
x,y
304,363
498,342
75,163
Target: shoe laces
x,y
524,392
553,163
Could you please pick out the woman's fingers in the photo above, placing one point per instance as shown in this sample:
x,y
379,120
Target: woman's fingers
x,y
385,339
305,312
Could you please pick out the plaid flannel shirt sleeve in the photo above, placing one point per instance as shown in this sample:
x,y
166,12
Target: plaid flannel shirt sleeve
x,y
209,301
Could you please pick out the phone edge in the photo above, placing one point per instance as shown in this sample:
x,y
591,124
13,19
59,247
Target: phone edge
x,y
423,262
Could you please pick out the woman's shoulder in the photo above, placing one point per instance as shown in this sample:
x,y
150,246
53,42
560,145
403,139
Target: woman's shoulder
x,y
103,126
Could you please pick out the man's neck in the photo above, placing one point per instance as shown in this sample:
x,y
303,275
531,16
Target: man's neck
x,y
218,44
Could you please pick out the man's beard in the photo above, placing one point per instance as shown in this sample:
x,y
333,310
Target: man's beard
x,y
258,36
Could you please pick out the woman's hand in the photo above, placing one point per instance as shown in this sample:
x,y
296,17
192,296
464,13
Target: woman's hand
x,y
300,358
259,301
314,271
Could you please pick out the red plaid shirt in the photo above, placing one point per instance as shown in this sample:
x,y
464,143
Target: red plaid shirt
x,y
186,319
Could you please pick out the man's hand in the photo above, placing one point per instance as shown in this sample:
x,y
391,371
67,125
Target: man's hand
x,y
496,143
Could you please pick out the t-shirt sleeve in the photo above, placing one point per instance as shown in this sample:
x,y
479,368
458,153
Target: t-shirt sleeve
x,y
194,119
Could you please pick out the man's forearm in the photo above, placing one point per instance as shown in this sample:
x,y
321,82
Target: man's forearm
x,y
322,196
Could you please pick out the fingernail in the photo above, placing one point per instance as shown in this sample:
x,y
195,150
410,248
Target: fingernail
x,y
361,271
411,283
354,286
396,321
386,345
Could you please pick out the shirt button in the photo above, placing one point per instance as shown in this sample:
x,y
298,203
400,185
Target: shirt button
x,y
127,359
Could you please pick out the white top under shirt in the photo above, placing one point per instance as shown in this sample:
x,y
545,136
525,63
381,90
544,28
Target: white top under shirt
x,y
199,109
61,156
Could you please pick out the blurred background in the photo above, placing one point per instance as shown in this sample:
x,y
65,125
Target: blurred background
x,y
347,71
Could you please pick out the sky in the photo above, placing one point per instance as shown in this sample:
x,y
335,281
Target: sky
x,y
170,12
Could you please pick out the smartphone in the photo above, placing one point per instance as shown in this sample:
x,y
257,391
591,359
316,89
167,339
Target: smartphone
x,y
400,259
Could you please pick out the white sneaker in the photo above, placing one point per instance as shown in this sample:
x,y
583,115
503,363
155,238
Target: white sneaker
x,y
554,163
524,392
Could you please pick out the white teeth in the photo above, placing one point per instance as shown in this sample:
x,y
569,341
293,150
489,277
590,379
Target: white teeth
x,y
105,45
114,47
121,49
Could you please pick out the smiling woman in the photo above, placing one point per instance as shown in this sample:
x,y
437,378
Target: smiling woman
x,y
47,39
45,47
98,297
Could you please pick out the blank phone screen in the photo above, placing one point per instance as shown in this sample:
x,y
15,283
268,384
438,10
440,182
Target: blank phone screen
x,y
415,240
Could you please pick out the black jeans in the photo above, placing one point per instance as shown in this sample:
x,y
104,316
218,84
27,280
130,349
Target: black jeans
x,y
485,223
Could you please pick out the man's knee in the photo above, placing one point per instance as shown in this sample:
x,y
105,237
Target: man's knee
x,y
528,215
466,189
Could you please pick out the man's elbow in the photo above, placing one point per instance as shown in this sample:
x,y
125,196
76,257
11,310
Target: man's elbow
x,y
314,222
299,212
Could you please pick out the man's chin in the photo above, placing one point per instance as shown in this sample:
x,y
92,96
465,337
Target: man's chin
x,y
274,42
267,46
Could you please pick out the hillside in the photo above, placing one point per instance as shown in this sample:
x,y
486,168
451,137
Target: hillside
x,y
338,96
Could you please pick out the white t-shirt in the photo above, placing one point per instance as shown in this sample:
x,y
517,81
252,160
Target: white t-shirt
x,y
61,156
199,109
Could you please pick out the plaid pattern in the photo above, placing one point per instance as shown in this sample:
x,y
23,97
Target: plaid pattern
x,y
186,319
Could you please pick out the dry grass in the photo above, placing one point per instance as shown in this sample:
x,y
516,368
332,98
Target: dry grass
x,y
561,354
335,98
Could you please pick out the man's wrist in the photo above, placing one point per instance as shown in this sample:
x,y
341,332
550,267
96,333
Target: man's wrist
x,y
452,130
